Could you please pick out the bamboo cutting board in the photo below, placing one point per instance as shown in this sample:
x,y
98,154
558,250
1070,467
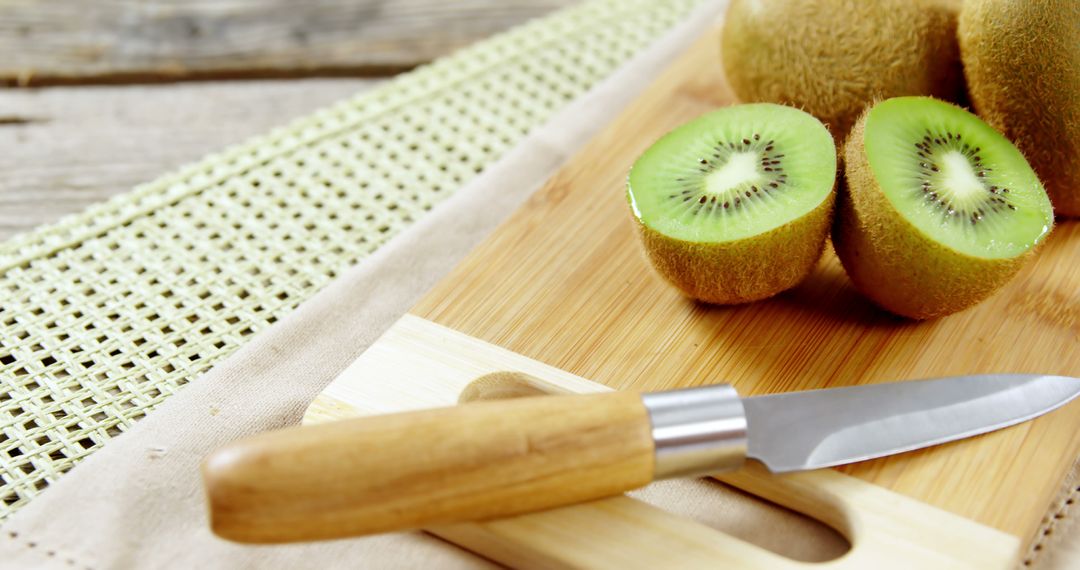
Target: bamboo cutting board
x,y
563,282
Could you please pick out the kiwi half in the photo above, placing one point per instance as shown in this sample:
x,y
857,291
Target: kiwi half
x,y
833,57
735,205
1022,61
939,211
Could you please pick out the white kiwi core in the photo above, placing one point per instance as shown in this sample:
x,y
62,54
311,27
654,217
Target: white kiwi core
x,y
741,168
959,177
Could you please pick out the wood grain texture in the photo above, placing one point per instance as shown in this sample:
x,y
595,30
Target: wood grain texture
x,y
66,148
70,41
396,472
563,281
418,363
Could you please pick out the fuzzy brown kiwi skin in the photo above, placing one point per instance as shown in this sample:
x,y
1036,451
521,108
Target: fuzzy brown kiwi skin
x,y
892,263
745,270
1022,61
832,57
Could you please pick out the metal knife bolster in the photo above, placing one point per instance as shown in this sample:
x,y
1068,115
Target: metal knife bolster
x,y
697,431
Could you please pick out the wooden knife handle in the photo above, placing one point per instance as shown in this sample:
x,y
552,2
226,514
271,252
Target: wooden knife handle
x,y
404,471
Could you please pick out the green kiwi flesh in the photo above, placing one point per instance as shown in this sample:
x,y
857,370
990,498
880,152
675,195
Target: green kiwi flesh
x,y
735,206
940,209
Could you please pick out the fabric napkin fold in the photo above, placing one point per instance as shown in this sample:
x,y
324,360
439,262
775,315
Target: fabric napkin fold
x,y
139,501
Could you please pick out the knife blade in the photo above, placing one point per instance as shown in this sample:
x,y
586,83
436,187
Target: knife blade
x,y
823,428
501,458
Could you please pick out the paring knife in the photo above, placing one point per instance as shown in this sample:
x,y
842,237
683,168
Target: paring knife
x,y
500,458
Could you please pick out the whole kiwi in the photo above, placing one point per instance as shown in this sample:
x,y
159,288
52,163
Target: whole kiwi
x,y
1022,62
832,57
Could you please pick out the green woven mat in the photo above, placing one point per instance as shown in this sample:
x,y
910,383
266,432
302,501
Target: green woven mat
x,y
107,313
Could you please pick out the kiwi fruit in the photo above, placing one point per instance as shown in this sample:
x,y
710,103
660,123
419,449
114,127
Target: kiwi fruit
x,y
735,205
1022,61
939,210
833,57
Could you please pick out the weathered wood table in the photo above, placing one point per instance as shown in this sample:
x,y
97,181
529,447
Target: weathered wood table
x,y
98,97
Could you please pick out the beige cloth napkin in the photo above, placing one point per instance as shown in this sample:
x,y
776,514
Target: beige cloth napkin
x,y
138,502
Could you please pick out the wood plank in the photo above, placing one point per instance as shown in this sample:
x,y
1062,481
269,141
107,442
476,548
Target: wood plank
x,y
65,41
563,281
65,148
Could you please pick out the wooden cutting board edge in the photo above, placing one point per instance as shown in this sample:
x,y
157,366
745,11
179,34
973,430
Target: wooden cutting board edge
x,y
692,85
435,366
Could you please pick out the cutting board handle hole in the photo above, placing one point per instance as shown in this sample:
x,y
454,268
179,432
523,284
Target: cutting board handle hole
x,y
712,503
748,517
503,385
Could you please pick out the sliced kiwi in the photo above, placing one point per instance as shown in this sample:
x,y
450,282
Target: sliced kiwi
x,y
940,209
735,205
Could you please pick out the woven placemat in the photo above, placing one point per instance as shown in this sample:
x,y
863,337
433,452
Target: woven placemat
x,y
109,312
